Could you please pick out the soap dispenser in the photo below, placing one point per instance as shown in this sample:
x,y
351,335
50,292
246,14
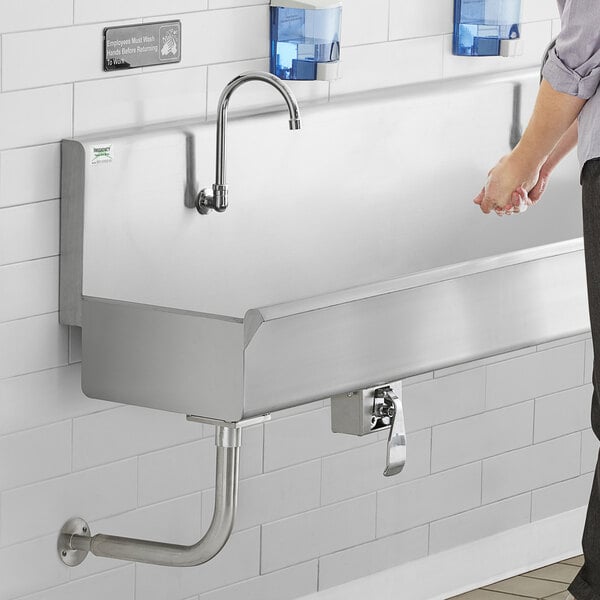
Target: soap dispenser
x,y
305,39
487,28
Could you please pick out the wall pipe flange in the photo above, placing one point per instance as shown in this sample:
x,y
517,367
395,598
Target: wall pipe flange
x,y
75,541
70,556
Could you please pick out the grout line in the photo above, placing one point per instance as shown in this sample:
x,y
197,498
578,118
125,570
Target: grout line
x,y
376,515
319,574
443,59
68,341
430,450
120,513
389,20
34,316
528,576
322,464
72,443
72,110
35,202
137,483
72,580
539,578
206,94
44,479
122,75
260,550
481,487
485,387
535,401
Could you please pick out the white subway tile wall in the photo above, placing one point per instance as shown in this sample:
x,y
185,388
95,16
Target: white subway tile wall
x,y
29,231
285,584
428,499
34,14
237,562
357,30
29,511
493,444
363,560
28,60
318,532
480,522
28,289
427,18
273,496
560,497
33,117
589,451
139,99
51,442
112,10
535,466
551,418
17,186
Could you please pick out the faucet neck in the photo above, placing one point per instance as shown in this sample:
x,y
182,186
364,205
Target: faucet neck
x,y
218,199
223,108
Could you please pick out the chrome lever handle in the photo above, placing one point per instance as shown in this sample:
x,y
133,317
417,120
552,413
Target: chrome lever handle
x,y
389,406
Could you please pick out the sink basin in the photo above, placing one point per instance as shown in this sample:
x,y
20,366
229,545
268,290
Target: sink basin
x,y
351,253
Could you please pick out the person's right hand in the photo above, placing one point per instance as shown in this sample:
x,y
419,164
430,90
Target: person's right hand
x,y
505,191
540,187
521,196
564,146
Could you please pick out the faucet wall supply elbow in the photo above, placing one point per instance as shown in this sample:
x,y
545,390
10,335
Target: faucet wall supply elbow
x,y
216,198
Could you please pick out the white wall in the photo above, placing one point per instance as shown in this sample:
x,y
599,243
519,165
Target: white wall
x,y
492,445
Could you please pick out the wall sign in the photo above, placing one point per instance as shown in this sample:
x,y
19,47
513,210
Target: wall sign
x,y
131,46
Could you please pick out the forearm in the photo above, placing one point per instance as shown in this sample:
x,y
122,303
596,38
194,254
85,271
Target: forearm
x,y
566,143
553,116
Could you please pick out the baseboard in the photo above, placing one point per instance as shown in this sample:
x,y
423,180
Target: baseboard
x,y
446,574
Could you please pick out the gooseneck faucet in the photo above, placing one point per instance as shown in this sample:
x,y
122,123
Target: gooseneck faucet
x,y
216,198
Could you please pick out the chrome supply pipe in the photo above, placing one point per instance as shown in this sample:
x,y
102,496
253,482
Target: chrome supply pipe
x,y
216,198
75,540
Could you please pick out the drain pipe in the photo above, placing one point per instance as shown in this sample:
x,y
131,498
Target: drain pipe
x,y
75,541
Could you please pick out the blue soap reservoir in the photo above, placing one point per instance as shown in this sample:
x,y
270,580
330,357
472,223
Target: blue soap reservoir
x,y
487,28
305,39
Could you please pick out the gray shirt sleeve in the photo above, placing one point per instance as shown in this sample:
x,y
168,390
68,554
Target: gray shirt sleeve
x,y
573,65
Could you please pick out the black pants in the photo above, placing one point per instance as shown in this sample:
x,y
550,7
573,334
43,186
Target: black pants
x,y
586,585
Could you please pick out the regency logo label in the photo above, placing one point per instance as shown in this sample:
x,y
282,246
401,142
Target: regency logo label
x,y
102,154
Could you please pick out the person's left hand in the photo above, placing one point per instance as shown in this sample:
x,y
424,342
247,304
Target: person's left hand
x,y
507,186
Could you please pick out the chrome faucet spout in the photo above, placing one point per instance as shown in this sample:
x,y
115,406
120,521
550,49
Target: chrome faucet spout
x,y
216,198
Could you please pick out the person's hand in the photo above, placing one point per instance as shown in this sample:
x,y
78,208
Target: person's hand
x,y
509,185
542,184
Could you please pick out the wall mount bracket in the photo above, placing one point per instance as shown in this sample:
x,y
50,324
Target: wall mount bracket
x,y
75,540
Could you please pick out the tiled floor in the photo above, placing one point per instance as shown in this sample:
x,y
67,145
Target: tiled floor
x,y
548,583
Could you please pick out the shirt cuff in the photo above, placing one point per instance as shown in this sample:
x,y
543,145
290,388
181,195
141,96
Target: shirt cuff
x,y
564,79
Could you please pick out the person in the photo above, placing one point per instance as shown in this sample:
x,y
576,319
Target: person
x,y
566,113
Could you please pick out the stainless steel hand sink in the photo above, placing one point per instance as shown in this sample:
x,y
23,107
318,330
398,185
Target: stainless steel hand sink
x,y
351,253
